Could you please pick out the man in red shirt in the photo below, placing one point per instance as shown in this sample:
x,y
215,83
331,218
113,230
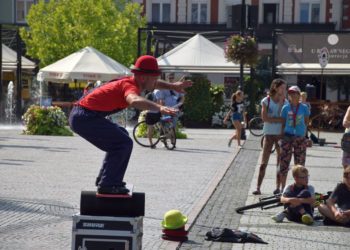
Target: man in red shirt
x,y
87,118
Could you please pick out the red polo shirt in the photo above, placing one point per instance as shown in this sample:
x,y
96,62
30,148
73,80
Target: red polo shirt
x,y
110,96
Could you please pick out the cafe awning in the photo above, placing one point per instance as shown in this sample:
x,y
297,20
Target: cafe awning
x,y
9,60
85,64
313,69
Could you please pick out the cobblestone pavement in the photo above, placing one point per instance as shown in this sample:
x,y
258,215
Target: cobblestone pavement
x,y
41,178
324,164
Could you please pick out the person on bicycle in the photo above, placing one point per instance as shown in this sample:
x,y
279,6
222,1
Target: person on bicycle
x,y
296,117
236,115
169,98
298,198
88,119
271,115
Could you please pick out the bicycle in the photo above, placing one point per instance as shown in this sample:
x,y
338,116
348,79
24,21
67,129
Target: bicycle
x,y
330,118
255,126
163,131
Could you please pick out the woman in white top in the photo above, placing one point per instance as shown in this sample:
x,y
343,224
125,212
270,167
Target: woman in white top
x,y
271,115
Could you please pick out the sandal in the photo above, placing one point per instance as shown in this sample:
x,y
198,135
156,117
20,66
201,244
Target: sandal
x,y
257,192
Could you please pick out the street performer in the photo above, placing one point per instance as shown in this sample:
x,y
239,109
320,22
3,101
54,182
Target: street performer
x,y
87,118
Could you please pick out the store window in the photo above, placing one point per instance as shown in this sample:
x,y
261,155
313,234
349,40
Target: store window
x,y
22,9
199,13
309,13
161,12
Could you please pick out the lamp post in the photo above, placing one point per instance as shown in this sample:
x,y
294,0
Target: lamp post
x,y
242,31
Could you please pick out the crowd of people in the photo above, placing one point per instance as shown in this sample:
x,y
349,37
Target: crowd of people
x,y
285,114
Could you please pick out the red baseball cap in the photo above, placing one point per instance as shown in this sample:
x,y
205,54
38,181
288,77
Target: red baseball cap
x,y
147,65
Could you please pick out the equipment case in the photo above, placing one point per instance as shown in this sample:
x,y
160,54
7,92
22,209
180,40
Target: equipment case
x,y
107,233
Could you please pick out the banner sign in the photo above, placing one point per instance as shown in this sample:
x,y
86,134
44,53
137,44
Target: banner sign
x,y
308,47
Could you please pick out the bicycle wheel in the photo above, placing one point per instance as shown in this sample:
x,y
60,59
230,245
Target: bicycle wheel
x,y
256,126
262,144
140,134
260,204
169,138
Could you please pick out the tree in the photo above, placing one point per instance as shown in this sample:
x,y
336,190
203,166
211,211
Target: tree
x,y
59,28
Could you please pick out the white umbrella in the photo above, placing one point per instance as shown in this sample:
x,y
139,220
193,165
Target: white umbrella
x,y
9,60
197,55
85,64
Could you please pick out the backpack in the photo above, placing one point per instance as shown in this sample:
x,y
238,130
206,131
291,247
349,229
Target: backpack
x,y
345,142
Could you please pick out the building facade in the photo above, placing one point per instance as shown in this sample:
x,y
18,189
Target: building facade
x,y
261,18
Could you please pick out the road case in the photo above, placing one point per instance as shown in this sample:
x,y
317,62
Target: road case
x,y
107,233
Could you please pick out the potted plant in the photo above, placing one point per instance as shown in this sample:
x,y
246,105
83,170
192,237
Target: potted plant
x,y
241,49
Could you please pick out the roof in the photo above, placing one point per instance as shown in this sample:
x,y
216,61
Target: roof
x,y
197,55
9,60
85,64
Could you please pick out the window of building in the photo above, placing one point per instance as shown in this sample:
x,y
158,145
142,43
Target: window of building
x,y
22,9
161,12
271,13
199,13
309,12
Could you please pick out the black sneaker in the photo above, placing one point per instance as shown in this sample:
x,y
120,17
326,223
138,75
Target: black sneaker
x,y
98,178
276,191
97,181
113,190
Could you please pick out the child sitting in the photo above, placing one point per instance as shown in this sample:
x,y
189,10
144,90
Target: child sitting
x,y
298,198
337,210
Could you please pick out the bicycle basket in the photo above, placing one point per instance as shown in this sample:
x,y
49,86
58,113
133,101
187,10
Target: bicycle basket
x,y
167,121
152,118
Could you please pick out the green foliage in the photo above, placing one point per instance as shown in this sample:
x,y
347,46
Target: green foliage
x,y
45,121
217,97
242,49
59,28
198,102
251,89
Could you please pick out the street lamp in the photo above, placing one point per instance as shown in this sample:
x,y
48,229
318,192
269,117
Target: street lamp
x,y
242,31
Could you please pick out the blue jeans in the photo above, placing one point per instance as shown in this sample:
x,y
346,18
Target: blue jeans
x,y
107,136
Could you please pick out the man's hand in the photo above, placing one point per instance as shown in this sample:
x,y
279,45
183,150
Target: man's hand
x,y
168,111
181,85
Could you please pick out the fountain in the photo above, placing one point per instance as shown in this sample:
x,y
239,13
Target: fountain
x,y
10,105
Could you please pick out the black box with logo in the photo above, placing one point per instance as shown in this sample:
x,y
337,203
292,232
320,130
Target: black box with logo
x,y
107,233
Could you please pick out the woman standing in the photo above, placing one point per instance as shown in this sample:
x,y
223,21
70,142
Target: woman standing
x,y
236,115
296,117
271,114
